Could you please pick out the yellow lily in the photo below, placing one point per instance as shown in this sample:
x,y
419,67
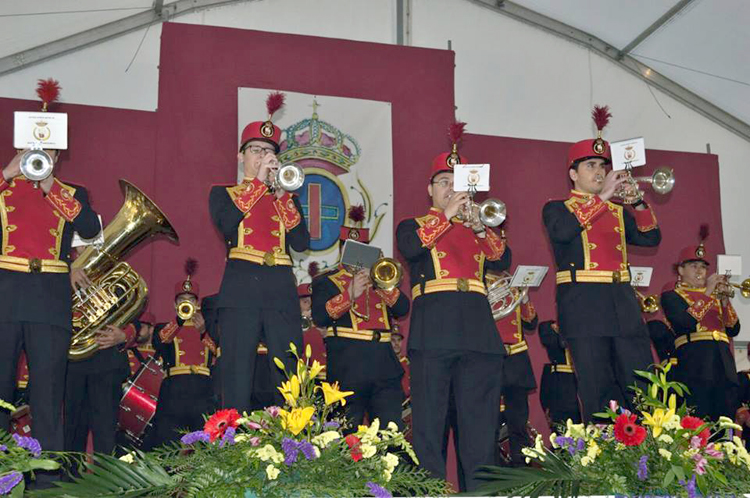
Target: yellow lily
x,y
296,420
315,369
332,394
290,390
279,364
308,351
301,370
657,420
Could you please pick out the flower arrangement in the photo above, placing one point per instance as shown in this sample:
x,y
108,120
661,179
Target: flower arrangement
x,y
660,450
300,449
19,455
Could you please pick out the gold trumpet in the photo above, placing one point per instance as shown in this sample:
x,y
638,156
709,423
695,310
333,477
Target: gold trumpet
x,y
649,304
386,273
186,309
726,289
662,181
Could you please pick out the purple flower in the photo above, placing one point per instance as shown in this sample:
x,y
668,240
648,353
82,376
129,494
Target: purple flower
x,y
378,491
3,447
9,481
194,437
228,437
291,449
308,450
28,443
581,444
331,425
563,441
643,468
690,487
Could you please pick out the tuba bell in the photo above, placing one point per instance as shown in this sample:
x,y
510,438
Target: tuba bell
x,y
503,298
117,293
386,274
36,165
289,177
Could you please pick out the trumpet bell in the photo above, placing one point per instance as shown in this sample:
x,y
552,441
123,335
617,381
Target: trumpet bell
x,y
662,181
36,165
650,304
186,310
492,212
290,177
386,273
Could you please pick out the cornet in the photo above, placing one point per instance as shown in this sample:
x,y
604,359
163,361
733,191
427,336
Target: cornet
x,y
288,177
662,181
386,274
726,289
36,165
491,212
186,310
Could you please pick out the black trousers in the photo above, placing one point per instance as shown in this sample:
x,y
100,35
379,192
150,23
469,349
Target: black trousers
x,y
472,378
516,415
241,330
560,417
92,402
183,400
379,399
605,369
711,400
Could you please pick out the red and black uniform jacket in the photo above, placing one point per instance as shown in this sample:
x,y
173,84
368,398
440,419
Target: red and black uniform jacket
x,y
517,370
37,232
589,238
358,333
447,264
184,349
258,230
702,328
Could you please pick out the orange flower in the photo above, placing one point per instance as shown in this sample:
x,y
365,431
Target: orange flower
x,y
219,421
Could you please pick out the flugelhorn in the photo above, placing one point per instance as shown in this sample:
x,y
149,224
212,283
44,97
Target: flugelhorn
x,y
662,182
386,274
726,289
36,165
186,309
288,177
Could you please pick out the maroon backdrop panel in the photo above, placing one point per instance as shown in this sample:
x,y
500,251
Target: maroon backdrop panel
x,y
104,145
201,69
528,173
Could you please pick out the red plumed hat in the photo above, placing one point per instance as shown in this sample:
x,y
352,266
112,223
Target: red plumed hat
x,y
696,253
265,131
189,285
597,147
447,160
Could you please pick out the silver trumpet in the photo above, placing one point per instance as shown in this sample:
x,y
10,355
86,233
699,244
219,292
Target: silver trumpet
x,y
288,177
490,212
662,182
36,165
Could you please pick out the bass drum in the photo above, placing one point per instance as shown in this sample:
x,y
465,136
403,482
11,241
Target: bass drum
x,y
138,402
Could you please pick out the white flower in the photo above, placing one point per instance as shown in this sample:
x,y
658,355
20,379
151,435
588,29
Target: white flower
x,y
368,450
387,475
575,430
242,421
272,472
129,458
728,423
665,439
370,434
392,426
241,438
666,454
324,439
266,453
585,460
552,438
391,461
672,424
316,451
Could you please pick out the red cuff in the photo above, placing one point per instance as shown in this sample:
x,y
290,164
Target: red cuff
x,y
699,308
528,313
168,332
434,226
247,194
338,305
730,316
287,211
645,219
63,201
590,210
390,297
494,245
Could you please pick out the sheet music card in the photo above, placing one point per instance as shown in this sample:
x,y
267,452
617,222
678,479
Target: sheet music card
x,y
729,264
359,255
528,276
45,130
628,153
640,276
471,177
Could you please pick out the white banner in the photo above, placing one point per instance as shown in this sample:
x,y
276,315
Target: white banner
x,y
344,146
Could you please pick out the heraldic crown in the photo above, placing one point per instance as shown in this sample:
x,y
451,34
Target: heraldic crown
x,y
317,140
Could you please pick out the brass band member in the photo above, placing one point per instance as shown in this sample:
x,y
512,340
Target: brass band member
x,y
703,320
359,354
36,307
518,376
258,289
558,389
453,342
599,315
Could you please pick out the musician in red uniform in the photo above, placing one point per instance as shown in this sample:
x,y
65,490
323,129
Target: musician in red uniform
x,y
37,224
703,320
257,295
453,341
518,376
599,315
188,354
143,349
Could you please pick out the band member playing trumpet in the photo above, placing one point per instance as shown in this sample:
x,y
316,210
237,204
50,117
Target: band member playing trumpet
x,y
703,320
36,307
558,389
358,316
258,289
599,315
453,343
518,376
188,354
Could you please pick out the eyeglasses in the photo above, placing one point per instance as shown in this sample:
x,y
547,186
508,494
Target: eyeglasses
x,y
444,183
257,150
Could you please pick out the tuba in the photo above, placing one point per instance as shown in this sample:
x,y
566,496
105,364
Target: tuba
x,y
117,293
503,298
386,274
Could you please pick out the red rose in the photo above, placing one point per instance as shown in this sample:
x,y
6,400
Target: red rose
x,y
219,421
628,432
354,447
694,423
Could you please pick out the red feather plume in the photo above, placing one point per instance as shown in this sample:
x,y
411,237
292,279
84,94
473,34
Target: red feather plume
x,y
313,269
601,116
48,90
456,131
357,213
191,266
274,102
703,233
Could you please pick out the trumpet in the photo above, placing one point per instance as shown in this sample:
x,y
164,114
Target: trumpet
x,y
186,310
306,322
36,165
490,212
726,289
386,273
662,182
649,304
288,177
